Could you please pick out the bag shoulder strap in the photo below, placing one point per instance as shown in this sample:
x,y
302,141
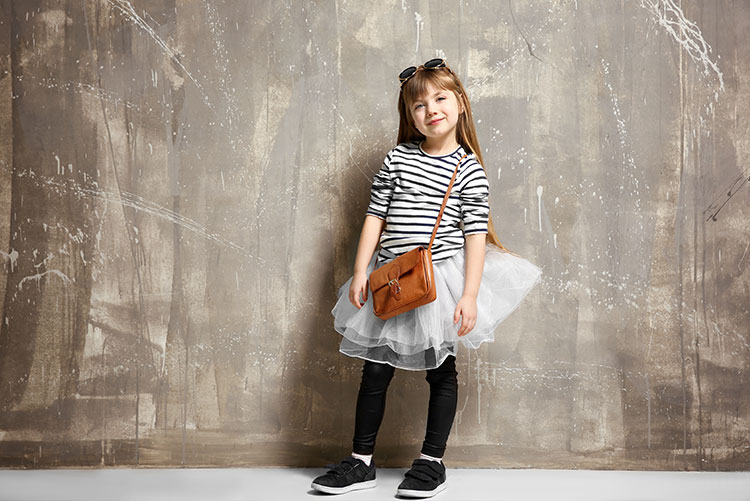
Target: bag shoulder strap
x,y
445,201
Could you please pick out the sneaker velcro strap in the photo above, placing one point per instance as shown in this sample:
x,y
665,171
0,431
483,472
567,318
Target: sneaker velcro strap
x,y
345,466
421,475
425,468
431,465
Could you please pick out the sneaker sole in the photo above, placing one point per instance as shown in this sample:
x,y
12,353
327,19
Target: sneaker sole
x,y
341,490
420,494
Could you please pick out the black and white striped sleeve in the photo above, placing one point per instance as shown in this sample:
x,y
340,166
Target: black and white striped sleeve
x,y
381,191
475,207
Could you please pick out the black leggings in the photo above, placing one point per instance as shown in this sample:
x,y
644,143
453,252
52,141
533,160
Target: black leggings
x,y
371,406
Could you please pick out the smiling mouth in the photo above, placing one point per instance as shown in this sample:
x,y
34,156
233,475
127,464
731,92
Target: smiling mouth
x,y
435,121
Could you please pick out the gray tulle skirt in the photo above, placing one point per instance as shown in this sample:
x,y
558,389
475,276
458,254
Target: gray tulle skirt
x,y
423,338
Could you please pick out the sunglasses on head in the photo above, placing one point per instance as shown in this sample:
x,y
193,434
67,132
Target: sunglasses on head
x,y
432,64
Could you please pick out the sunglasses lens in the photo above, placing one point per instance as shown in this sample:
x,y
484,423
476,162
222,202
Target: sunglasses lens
x,y
407,73
434,63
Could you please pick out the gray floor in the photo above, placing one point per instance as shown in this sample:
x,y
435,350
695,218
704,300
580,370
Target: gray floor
x,y
276,484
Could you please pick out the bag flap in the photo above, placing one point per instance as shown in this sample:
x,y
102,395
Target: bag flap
x,y
396,268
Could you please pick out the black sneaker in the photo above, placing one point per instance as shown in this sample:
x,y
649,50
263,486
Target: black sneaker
x,y
424,479
351,474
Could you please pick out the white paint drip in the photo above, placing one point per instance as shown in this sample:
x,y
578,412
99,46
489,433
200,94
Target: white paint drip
x,y
39,276
49,257
686,33
539,191
12,257
420,25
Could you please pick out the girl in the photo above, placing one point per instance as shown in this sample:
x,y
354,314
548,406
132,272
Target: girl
x,y
478,281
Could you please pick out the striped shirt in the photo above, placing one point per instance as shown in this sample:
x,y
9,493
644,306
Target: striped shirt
x,y
408,191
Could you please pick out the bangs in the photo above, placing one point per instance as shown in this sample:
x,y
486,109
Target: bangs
x,y
418,85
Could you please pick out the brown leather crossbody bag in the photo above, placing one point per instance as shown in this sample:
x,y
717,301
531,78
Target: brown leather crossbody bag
x,y
407,282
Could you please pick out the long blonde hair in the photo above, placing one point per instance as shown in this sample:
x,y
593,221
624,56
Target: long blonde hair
x,y
466,134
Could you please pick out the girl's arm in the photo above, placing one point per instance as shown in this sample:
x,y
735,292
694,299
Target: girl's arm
x,y
475,244
467,305
368,242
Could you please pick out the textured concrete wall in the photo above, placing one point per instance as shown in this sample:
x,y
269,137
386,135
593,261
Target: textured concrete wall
x,y
182,186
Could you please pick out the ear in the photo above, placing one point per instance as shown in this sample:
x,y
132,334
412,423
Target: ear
x,y
461,102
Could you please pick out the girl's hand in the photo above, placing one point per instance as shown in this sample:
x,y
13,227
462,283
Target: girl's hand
x,y
357,287
467,309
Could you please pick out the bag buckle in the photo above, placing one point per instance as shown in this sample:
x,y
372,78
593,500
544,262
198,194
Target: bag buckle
x,y
395,287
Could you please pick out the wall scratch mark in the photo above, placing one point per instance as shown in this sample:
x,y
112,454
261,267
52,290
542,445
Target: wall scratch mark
x,y
128,11
141,204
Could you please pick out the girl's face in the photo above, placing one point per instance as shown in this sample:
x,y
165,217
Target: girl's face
x,y
436,113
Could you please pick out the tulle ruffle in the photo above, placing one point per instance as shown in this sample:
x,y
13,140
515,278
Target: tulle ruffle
x,y
423,338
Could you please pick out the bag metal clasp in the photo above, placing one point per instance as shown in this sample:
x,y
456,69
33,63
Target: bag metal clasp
x,y
395,287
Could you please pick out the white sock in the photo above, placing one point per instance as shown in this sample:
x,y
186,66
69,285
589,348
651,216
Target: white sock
x,y
425,456
364,458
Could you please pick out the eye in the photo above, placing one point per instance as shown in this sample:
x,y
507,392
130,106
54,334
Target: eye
x,y
417,105
441,97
